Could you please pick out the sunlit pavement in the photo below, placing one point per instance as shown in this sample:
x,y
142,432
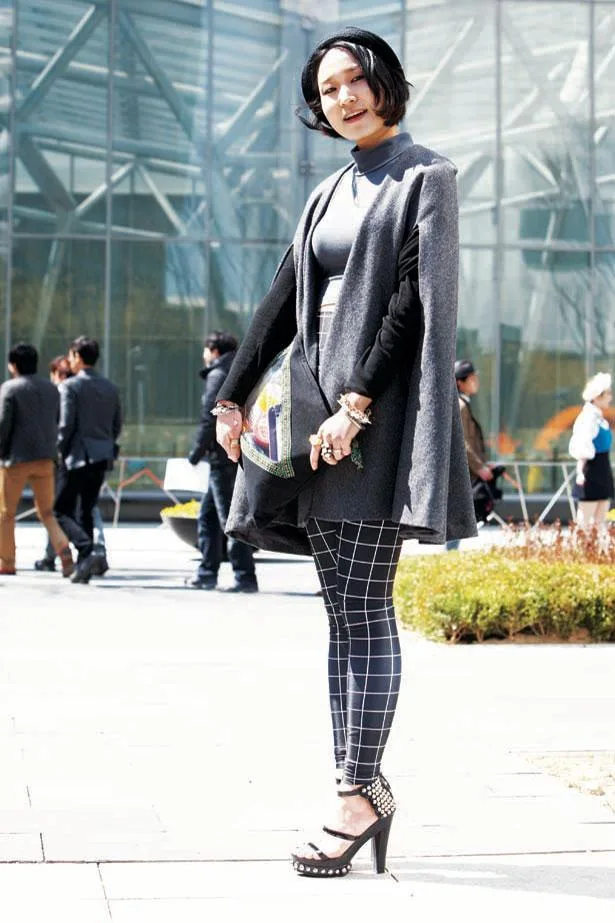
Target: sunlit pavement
x,y
162,748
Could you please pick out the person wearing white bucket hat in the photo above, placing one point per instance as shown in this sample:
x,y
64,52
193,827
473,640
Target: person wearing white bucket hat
x,y
590,444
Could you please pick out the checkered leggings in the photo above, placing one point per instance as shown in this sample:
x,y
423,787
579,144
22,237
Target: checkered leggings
x,y
356,564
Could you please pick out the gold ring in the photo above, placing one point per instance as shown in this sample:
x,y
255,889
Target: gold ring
x,y
315,439
235,442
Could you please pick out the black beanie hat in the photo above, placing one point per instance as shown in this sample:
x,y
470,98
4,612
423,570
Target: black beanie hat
x,y
357,37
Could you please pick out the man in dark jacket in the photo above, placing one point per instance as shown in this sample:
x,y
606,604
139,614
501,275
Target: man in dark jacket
x,y
90,425
482,475
218,356
29,408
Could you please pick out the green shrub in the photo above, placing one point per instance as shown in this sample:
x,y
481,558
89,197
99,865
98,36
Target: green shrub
x,y
476,596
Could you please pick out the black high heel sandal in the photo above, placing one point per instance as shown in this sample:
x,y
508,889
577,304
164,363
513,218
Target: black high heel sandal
x,y
378,793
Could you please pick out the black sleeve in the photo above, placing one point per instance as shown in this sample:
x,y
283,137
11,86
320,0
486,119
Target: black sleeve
x,y
400,332
205,437
7,413
272,328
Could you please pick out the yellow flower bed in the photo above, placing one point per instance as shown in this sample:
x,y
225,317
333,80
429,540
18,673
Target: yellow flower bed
x,y
189,510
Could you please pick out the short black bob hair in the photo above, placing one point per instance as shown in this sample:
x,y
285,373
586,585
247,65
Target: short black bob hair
x,y
222,341
25,358
87,349
388,85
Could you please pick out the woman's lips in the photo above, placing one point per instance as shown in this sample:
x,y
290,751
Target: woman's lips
x,y
355,116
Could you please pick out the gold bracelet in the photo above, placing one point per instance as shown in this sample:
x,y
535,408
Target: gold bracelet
x,y
221,409
360,417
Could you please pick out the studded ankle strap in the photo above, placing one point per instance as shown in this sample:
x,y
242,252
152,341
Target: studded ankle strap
x,y
378,794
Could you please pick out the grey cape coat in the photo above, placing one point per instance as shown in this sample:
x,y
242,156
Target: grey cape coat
x,y
415,470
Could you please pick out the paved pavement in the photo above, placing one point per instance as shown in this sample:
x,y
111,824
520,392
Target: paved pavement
x,y
161,749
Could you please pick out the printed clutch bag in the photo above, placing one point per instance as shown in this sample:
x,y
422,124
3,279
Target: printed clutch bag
x,y
284,407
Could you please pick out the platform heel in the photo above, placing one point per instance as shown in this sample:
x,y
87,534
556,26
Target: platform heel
x,y
378,793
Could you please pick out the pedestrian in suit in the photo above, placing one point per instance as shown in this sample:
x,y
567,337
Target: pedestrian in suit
x,y
218,354
59,371
90,425
29,408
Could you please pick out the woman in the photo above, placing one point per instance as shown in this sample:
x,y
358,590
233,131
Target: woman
x,y
590,444
367,298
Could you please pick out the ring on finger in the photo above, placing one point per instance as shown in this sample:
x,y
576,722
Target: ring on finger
x,y
338,451
235,442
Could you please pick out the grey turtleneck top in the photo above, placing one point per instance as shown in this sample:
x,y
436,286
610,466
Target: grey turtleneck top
x,y
334,235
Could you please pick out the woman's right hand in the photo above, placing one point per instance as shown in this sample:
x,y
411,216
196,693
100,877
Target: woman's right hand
x,y
580,478
228,430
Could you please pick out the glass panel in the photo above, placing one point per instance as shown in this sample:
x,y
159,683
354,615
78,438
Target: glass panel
x,y
476,338
258,144
158,296
6,94
61,118
546,129
58,287
450,59
240,276
543,351
604,141
159,120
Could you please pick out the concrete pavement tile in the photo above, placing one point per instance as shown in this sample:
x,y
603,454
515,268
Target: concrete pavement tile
x,y
567,876
176,880
30,908
459,810
493,840
50,882
86,818
13,791
105,846
330,906
20,847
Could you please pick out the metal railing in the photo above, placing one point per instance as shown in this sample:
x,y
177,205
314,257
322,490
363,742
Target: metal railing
x,y
125,478
565,470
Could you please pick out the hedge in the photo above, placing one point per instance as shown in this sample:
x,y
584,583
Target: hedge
x,y
482,595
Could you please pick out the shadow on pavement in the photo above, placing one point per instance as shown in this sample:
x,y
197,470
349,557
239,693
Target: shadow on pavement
x,y
573,880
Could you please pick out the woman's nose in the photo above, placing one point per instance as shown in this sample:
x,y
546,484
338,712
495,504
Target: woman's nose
x,y
345,95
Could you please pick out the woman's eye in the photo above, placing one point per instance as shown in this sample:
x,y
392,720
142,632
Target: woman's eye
x,y
358,77
327,91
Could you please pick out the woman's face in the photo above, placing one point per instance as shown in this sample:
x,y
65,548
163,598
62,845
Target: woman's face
x,y
603,400
347,102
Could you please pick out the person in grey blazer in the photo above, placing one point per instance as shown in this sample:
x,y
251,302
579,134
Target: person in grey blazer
x,y
90,425
28,430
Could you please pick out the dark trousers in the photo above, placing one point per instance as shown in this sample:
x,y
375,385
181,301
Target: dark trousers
x,y
79,487
211,525
356,564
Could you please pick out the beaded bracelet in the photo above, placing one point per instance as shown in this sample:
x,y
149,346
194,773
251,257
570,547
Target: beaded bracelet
x,y
359,417
221,409
350,419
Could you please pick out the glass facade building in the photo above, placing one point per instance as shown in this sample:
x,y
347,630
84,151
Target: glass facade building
x,y
152,172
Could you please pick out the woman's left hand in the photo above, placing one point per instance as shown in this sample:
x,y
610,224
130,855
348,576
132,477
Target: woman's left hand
x,y
336,433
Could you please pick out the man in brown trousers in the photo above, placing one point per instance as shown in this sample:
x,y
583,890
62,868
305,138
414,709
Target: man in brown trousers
x,y
29,408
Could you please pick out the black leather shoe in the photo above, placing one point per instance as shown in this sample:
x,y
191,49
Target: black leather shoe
x,y
194,583
85,568
242,587
100,566
45,564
